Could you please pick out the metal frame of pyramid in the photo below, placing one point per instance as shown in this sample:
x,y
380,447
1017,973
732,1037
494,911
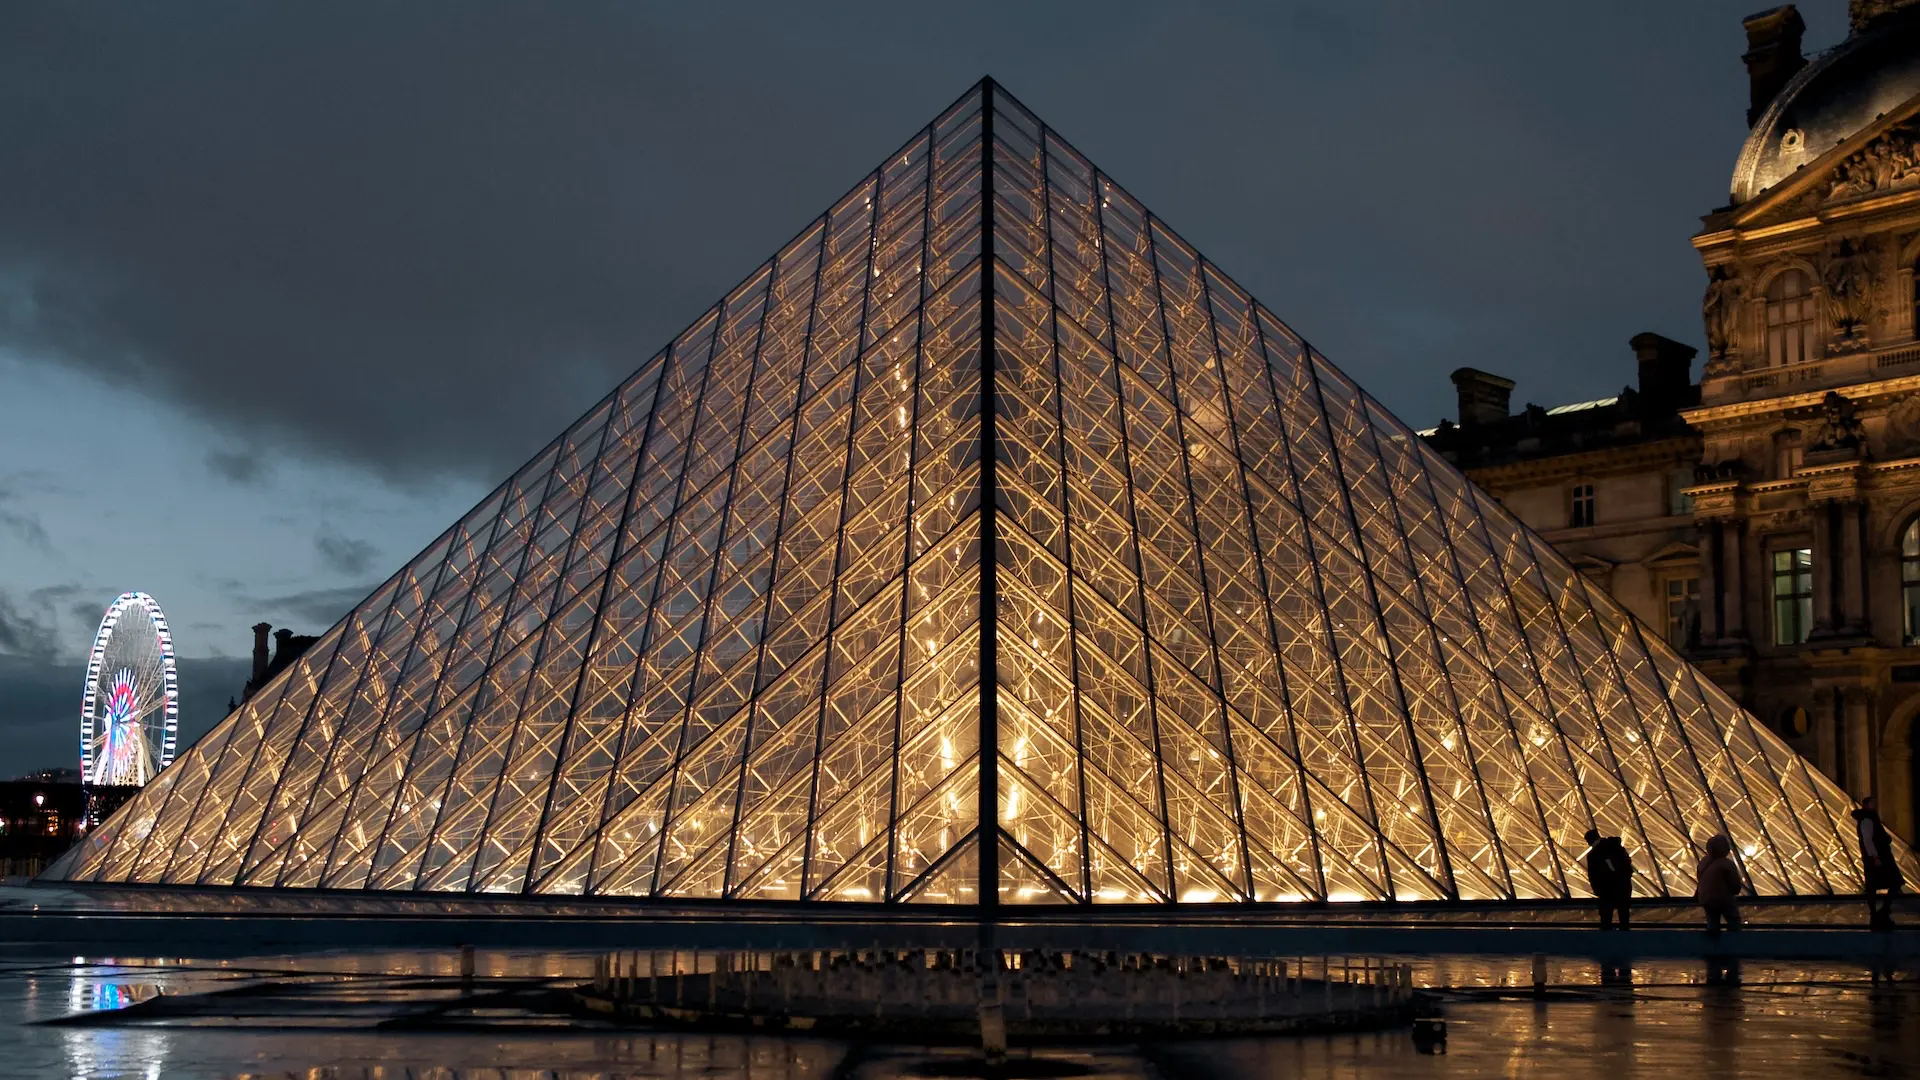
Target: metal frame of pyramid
x,y
815,592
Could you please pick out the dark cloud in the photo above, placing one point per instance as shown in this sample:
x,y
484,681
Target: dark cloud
x,y
245,469
422,237
27,629
40,706
25,527
309,611
34,625
17,519
343,554
87,612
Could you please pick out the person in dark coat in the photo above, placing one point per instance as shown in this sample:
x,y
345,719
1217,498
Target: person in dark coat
x,y
1882,874
1718,886
1610,873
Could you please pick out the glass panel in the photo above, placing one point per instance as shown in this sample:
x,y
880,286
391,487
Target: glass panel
x,y
1251,639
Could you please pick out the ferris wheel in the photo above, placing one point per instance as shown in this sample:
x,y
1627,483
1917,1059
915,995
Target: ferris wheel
x,y
130,718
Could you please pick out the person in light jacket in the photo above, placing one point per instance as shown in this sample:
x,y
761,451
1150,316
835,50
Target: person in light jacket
x,y
1882,874
1719,885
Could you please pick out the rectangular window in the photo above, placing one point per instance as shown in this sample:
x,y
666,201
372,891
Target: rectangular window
x,y
1580,508
1683,611
1910,583
1790,319
1792,595
1788,324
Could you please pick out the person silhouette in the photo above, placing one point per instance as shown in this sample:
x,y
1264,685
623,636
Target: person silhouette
x,y
1880,873
1610,874
1718,887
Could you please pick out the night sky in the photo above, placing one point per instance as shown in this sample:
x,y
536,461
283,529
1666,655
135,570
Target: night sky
x,y
285,290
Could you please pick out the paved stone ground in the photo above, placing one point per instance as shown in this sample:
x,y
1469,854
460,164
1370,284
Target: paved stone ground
x,y
233,922
1807,1021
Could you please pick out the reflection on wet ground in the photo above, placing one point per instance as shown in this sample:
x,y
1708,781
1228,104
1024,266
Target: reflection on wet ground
x,y
1672,1020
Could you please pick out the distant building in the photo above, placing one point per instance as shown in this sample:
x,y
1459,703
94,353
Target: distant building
x,y
1604,480
287,647
40,818
1769,517
51,776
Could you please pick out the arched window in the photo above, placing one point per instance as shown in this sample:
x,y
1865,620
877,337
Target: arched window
x,y
1790,334
1910,583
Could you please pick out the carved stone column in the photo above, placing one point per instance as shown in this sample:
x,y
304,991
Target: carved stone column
x,y
1826,741
1710,599
1716,513
1896,786
1833,473
1734,564
1900,325
1853,581
1860,778
1824,567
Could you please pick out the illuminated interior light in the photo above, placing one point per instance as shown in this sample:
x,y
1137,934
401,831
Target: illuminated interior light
x,y
798,615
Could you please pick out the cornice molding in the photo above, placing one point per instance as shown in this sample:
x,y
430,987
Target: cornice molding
x,y
1721,415
1603,461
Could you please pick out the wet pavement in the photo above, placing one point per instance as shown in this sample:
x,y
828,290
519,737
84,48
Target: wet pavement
x,y
1662,1021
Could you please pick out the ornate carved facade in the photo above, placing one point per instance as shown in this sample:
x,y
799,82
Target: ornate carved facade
x,y
1802,538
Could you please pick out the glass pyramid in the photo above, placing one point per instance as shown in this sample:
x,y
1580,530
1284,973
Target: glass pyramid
x,y
815,593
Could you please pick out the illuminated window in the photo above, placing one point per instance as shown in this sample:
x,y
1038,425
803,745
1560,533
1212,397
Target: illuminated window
x,y
1910,583
1790,334
1792,595
1683,610
1580,506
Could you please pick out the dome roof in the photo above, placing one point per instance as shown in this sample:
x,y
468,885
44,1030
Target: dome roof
x,y
1837,94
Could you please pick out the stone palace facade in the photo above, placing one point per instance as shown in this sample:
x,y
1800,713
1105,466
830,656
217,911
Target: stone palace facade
x,y
1767,518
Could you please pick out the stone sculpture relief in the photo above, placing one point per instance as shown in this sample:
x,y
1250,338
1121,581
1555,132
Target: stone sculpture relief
x,y
1903,428
1849,281
1839,428
1889,162
1720,308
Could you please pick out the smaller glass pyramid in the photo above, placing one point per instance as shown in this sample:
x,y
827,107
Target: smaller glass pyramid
x,y
1157,592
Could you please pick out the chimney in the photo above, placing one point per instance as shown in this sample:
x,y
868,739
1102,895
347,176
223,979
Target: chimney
x,y
1666,370
1484,398
1772,56
259,652
280,639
